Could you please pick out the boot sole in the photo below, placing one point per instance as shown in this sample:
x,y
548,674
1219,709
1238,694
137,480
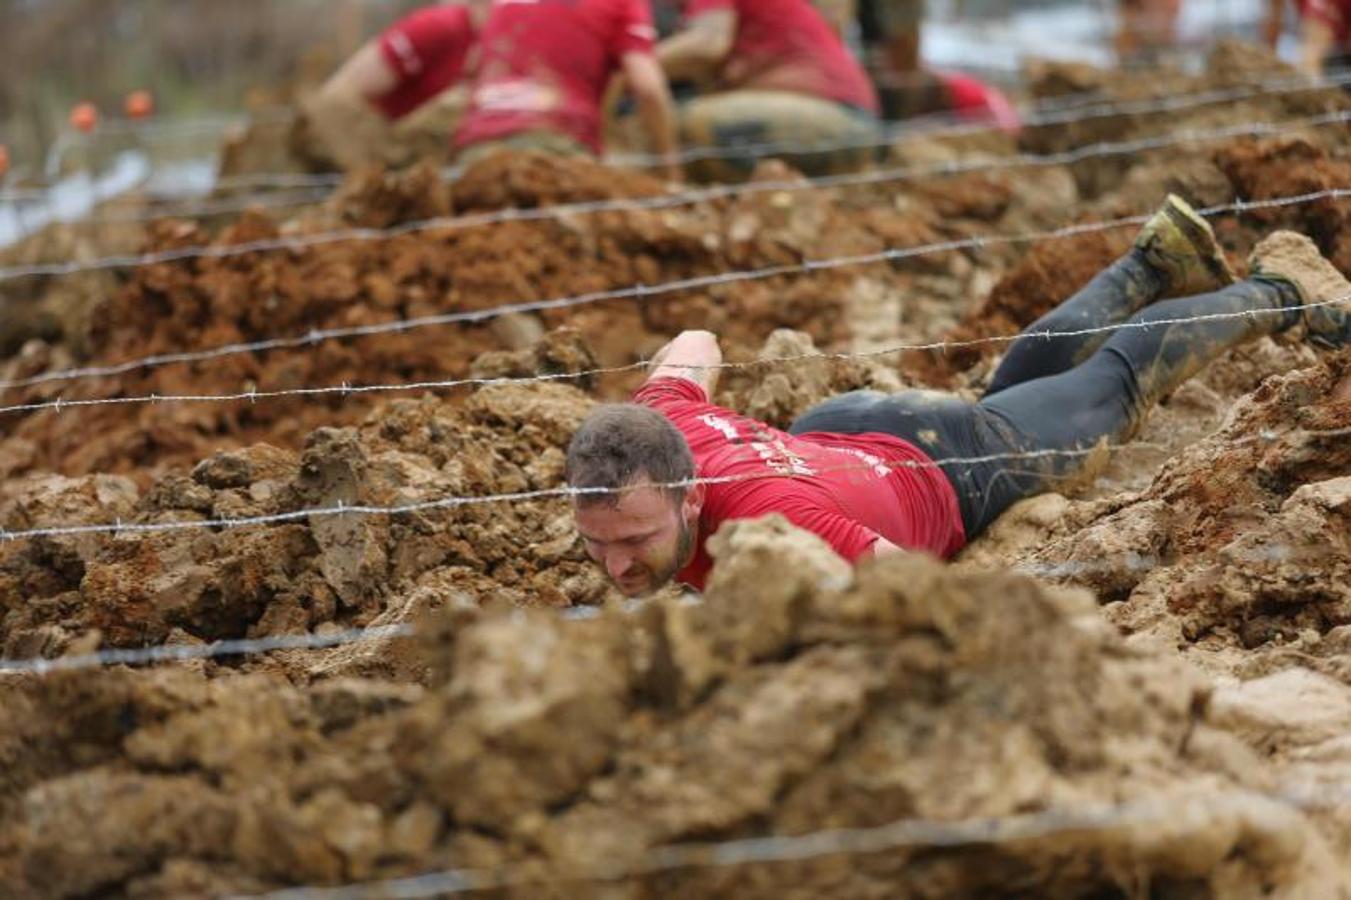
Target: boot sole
x,y
1197,231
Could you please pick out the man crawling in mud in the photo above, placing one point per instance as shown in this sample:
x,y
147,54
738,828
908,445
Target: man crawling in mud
x,y
875,473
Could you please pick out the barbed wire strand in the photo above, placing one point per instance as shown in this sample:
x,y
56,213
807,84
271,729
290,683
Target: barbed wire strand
x,y
214,650
182,652
347,390
119,528
641,291
1045,113
918,833
294,243
314,196
1088,112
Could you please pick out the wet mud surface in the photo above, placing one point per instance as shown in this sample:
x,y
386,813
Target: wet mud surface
x,y
1146,678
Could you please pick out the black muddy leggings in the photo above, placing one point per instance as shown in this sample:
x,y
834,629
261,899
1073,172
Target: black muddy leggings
x,y
1053,399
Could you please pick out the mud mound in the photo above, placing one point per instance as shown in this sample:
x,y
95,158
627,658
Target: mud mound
x,y
776,708
1231,66
530,179
1179,733
1241,541
207,302
293,577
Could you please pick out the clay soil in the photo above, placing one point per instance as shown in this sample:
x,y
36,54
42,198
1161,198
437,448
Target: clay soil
x,y
1139,687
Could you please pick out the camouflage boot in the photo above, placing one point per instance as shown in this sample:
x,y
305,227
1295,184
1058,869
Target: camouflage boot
x,y
1180,245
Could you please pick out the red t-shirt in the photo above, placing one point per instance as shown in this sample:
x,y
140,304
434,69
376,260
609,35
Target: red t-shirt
x,y
976,100
427,51
847,488
1336,13
546,63
787,45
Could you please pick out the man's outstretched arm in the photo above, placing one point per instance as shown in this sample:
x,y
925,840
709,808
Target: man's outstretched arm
x,y
693,356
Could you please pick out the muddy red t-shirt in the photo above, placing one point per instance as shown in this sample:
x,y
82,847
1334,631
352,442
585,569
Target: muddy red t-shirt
x,y
847,488
1335,13
427,50
545,65
788,45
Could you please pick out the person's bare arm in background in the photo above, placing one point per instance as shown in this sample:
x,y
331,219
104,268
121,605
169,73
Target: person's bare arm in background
x,y
1274,23
656,110
1316,41
338,125
366,76
696,52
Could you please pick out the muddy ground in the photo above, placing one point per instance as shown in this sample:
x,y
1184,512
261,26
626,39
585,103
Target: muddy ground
x,y
1146,679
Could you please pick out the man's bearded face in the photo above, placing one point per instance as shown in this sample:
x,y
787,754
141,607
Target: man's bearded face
x,y
641,541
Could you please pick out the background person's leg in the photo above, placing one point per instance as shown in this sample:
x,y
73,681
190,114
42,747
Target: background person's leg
x,y
847,137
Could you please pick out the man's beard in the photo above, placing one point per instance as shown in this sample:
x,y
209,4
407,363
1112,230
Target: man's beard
x,y
684,549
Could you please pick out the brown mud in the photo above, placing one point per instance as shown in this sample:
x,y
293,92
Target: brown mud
x,y
1155,702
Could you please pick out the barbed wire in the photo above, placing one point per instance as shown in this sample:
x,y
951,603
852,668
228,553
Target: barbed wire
x,y
944,125
312,195
186,652
663,201
921,833
640,291
1131,562
1045,113
119,528
347,390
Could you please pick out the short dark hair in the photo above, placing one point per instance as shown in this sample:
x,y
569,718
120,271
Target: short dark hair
x,y
620,443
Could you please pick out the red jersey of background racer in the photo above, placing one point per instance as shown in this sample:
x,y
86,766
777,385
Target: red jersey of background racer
x,y
973,99
545,65
427,50
1336,13
787,45
847,488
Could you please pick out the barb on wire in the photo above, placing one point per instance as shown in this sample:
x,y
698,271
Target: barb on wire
x,y
253,395
663,201
397,326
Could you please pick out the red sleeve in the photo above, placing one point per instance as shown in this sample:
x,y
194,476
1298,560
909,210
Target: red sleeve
x,y
764,496
636,34
845,536
704,424
661,393
411,44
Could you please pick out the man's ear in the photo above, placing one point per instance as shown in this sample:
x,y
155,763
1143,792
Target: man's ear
x,y
693,503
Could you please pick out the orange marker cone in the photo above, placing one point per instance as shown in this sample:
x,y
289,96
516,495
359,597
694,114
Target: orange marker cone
x,y
139,105
84,117
4,160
